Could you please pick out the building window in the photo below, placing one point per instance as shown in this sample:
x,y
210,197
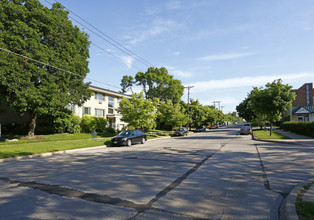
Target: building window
x,y
99,112
71,107
99,96
307,94
110,104
87,110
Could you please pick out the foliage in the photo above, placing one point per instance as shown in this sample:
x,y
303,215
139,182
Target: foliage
x,y
30,29
303,128
110,130
90,123
245,110
127,83
138,112
67,122
172,114
267,104
232,117
156,83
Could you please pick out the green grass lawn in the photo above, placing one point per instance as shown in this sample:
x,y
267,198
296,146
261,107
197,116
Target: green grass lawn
x,y
14,150
262,134
52,143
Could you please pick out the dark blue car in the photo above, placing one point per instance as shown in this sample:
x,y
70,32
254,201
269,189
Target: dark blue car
x,y
127,138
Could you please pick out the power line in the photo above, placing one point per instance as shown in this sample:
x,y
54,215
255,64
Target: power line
x,y
121,47
124,49
49,65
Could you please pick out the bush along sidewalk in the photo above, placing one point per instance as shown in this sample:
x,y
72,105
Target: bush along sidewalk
x,y
304,128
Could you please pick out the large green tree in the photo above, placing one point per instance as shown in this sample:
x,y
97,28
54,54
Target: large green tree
x,y
138,112
172,114
156,83
47,35
245,110
272,101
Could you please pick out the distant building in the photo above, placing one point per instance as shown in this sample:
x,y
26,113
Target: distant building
x,y
303,106
103,103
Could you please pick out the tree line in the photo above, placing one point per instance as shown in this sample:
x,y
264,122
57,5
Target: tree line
x,y
160,105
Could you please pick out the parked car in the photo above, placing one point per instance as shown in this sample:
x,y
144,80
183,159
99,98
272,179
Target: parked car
x,y
181,132
127,138
200,128
246,129
213,126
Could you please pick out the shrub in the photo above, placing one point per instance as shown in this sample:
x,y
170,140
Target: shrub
x,y
101,124
110,130
67,122
304,128
90,123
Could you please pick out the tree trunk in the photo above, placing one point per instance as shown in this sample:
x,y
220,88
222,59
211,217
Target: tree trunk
x,y
271,128
32,126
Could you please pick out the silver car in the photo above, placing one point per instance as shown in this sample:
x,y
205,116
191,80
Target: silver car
x,y
246,129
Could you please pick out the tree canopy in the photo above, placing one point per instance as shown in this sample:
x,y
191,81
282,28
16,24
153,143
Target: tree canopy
x,y
156,83
138,112
267,104
47,35
172,114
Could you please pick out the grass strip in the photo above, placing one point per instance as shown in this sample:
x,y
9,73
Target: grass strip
x,y
14,150
262,134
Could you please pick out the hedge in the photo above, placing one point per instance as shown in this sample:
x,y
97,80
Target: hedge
x,y
304,128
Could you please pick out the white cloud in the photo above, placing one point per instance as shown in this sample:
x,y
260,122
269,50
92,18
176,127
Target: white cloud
x,y
128,60
251,81
173,71
229,56
158,27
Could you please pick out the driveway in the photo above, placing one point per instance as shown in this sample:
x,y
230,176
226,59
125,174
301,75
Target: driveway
x,y
217,174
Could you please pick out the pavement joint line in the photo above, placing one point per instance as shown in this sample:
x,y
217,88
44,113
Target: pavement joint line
x,y
73,193
267,184
174,161
178,181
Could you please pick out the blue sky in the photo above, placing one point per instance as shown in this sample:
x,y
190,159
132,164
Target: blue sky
x,y
221,47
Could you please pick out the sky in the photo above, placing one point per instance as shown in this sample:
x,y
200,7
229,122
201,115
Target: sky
x,y
223,48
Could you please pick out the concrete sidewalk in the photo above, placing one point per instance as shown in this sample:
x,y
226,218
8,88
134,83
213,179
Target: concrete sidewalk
x,y
288,210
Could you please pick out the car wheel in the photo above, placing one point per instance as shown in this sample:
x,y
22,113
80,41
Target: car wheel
x,y
186,134
129,143
143,141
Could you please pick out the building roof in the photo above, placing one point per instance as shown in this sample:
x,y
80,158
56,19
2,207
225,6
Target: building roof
x,y
108,92
305,109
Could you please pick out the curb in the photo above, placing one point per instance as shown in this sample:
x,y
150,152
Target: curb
x,y
288,209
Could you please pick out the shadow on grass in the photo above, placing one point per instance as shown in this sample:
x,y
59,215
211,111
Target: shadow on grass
x,y
8,155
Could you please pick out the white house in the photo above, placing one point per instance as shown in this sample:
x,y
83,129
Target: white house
x,y
103,103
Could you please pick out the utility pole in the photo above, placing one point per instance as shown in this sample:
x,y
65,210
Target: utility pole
x,y
222,108
218,104
188,87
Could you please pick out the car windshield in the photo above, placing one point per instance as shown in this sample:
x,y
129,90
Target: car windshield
x,y
125,133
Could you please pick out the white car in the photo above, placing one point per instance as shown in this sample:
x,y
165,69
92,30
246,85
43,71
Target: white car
x,y
246,129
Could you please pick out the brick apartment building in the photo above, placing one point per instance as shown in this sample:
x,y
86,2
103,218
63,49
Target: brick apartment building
x,y
303,106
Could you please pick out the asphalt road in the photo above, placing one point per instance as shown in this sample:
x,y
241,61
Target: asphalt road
x,y
217,174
